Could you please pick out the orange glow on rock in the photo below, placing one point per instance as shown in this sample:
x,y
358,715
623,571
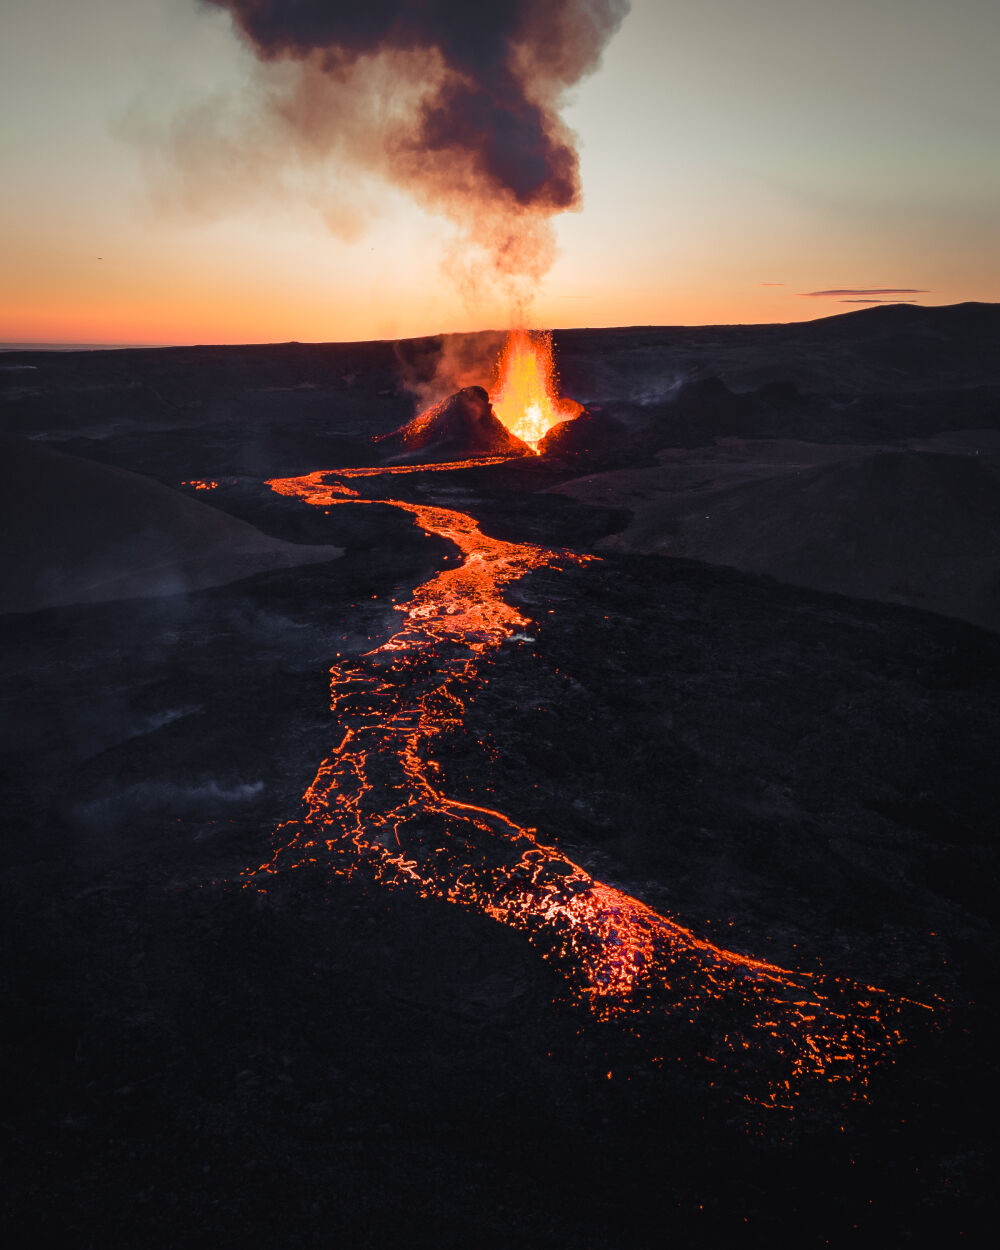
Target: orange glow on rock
x,y
526,394
376,809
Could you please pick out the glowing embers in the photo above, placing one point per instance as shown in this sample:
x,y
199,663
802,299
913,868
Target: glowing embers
x,y
208,483
377,807
776,1029
526,394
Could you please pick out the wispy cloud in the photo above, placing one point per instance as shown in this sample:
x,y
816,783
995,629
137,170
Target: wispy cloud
x,y
874,290
770,284
878,301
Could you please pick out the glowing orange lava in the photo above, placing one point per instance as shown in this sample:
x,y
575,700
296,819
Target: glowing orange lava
x,y
207,483
377,809
526,394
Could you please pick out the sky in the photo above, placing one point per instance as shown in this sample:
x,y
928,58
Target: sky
x,y
737,159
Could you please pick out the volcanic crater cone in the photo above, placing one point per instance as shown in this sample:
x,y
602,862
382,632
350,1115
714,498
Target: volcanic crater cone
x,y
461,427
586,432
74,531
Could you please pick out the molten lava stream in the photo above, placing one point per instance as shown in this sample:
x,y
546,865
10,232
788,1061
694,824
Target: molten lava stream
x,y
526,395
376,808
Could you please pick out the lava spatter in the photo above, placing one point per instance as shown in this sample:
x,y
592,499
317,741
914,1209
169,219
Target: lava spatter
x,y
376,808
525,395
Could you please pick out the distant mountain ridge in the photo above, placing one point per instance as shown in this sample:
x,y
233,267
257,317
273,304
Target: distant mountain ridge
x,y
360,390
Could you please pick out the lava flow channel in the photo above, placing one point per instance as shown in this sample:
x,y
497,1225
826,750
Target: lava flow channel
x,y
376,809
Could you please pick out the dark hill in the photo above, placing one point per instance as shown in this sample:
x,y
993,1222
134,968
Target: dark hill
x,y
899,348
72,531
898,526
589,432
704,408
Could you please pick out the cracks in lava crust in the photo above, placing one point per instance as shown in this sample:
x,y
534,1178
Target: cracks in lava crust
x,y
376,810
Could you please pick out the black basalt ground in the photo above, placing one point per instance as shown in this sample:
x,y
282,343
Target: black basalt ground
x,y
800,776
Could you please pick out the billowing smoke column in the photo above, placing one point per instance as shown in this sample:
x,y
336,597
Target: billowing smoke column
x,y
466,93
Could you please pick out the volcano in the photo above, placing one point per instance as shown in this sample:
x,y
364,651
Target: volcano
x,y
461,427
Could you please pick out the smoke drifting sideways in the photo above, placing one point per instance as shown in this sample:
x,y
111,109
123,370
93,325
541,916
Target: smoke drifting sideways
x,y
457,103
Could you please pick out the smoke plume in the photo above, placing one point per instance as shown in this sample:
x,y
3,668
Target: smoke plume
x,y
431,369
454,101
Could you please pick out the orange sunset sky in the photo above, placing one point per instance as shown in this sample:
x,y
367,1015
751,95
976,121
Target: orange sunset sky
x,y
735,158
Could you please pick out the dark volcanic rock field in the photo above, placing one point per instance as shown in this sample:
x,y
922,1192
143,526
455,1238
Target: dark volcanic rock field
x,y
797,775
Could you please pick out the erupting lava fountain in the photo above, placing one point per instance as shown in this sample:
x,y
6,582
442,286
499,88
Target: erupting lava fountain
x,y
525,395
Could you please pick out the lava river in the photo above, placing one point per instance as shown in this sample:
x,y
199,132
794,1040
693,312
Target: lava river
x,y
377,809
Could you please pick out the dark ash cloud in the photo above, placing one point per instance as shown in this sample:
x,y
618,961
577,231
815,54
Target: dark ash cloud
x,y
457,101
